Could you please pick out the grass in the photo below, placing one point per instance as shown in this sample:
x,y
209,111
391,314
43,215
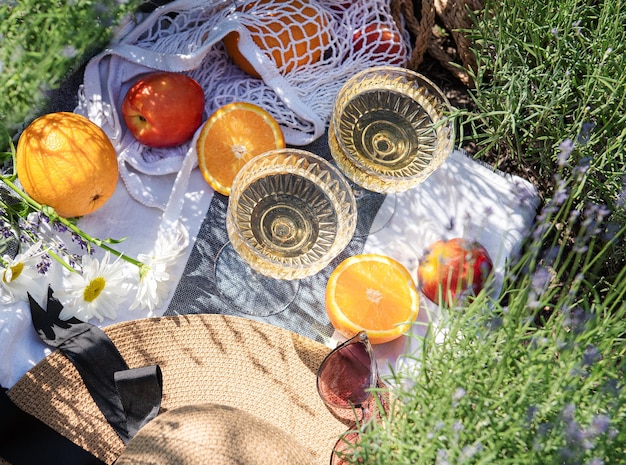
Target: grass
x,y
44,41
535,375
552,71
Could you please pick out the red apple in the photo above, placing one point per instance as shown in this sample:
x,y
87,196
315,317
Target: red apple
x,y
339,6
163,109
453,269
382,40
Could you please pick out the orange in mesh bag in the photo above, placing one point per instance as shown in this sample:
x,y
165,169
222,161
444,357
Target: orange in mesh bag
x,y
292,33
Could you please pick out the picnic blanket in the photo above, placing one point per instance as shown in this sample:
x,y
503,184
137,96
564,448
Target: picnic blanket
x,y
462,198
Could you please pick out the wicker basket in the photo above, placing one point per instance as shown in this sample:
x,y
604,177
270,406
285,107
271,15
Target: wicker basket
x,y
453,17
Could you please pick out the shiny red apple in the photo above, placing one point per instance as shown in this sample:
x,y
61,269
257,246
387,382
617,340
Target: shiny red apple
x,y
339,6
381,40
163,109
453,270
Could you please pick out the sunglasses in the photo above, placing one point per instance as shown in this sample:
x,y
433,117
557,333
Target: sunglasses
x,y
345,380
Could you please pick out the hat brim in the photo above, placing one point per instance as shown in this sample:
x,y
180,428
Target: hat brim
x,y
204,434
255,367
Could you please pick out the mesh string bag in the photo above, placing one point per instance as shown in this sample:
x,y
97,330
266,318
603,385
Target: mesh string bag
x,y
301,52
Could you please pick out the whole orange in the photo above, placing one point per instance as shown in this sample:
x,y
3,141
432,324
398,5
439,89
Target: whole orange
x,y
67,162
293,33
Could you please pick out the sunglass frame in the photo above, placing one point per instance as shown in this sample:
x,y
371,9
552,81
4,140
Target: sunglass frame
x,y
359,338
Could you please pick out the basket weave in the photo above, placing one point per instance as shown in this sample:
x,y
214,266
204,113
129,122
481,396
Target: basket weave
x,y
453,17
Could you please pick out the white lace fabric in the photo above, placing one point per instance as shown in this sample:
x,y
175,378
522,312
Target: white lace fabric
x,y
186,36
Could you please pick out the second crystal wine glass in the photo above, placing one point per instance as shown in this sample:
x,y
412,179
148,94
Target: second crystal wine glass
x,y
388,131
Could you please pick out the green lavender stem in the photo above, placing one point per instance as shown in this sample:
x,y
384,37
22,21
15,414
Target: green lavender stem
x,y
54,216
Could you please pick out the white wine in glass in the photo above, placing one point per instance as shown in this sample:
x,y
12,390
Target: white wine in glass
x,y
389,130
290,213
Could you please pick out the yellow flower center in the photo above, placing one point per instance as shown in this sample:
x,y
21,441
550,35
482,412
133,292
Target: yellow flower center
x,y
16,270
94,288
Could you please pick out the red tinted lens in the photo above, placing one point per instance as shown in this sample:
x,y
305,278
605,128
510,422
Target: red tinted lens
x,y
345,376
343,447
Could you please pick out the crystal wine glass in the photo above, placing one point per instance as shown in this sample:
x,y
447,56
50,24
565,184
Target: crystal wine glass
x,y
389,130
290,212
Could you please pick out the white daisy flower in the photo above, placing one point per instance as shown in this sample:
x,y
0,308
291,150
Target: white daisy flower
x,y
154,282
20,276
96,292
152,287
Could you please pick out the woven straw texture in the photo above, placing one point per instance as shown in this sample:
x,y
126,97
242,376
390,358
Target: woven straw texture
x,y
258,368
212,434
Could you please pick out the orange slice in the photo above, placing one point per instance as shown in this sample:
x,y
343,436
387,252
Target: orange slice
x,y
374,293
231,136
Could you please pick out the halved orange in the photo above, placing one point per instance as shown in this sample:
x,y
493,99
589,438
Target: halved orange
x,y
231,136
374,293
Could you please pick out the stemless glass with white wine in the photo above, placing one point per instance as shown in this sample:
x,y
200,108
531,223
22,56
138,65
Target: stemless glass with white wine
x,y
290,212
388,130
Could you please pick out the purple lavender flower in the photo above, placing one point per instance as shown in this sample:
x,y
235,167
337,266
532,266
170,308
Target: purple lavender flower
x,y
591,355
565,150
531,413
457,395
561,193
583,167
80,241
575,318
585,133
6,232
600,425
58,226
44,265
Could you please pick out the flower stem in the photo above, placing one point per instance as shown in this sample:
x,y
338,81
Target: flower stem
x,y
60,260
54,216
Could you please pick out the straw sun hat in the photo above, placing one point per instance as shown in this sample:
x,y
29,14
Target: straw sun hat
x,y
234,391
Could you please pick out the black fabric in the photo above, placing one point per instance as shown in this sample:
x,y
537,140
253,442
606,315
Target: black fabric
x,y
140,390
98,361
25,440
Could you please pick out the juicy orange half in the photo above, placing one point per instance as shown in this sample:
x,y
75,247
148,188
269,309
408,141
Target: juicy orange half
x,y
374,293
231,136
